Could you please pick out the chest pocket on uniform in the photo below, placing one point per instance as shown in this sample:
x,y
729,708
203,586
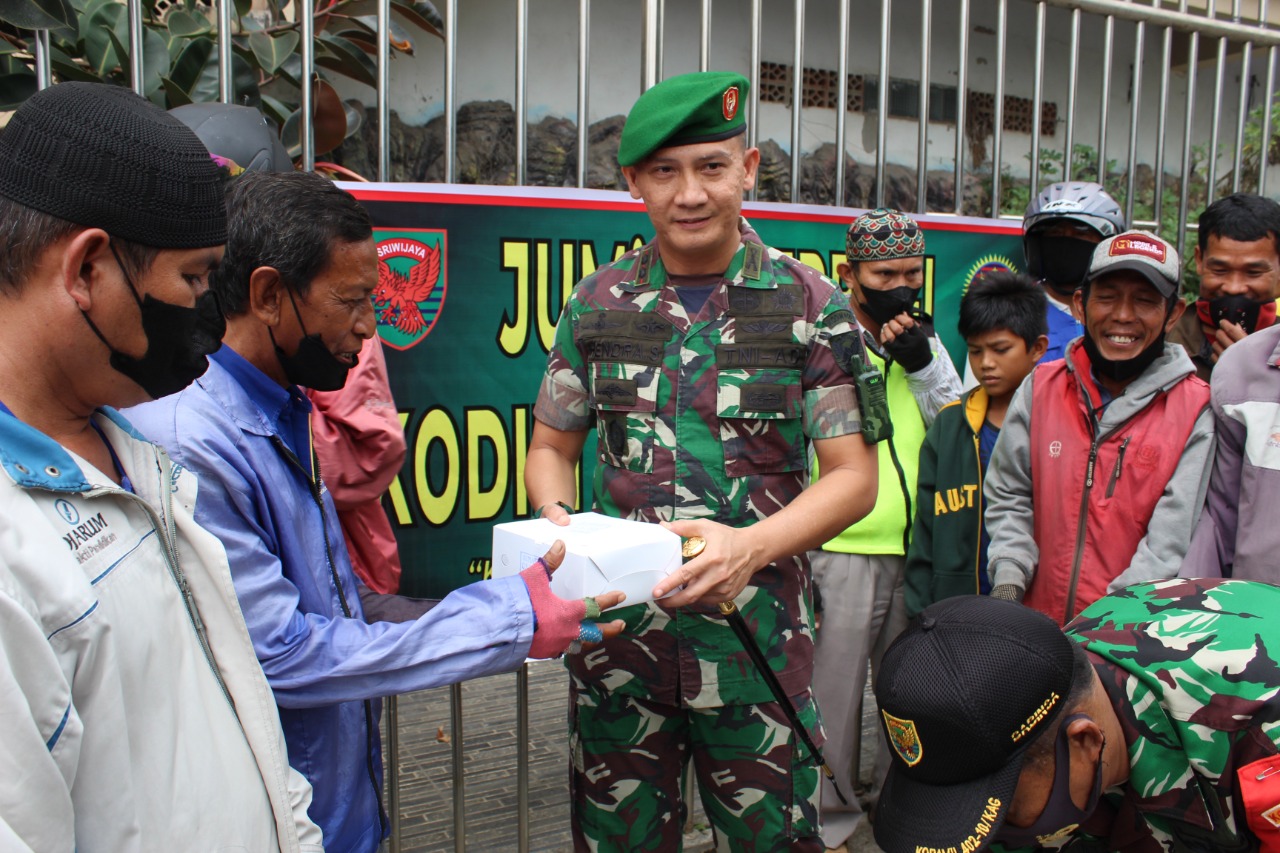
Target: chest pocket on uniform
x,y
625,399
760,403
624,352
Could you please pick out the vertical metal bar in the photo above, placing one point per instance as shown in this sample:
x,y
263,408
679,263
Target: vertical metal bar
x,y
962,101
226,74
393,762
44,70
1002,27
459,791
1242,111
842,99
1218,80
797,98
1266,120
1166,61
1073,84
1266,107
922,143
882,106
1135,111
753,111
136,49
660,44
1193,53
1108,40
650,45
1037,98
307,14
704,52
522,91
384,104
584,68
522,757
450,89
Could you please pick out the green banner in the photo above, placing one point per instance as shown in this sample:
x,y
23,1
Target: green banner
x,y
471,283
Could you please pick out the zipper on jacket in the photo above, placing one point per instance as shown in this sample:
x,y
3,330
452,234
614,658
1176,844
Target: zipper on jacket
x,y
164,528
1115,475
1078,558
978,568
314,483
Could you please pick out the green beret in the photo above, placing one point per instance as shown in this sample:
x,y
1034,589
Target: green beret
x,y
705,106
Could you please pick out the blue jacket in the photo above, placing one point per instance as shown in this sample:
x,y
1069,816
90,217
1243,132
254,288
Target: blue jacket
x,y
294,581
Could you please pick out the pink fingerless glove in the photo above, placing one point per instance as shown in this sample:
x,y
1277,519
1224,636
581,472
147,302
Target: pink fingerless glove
x,y
558,620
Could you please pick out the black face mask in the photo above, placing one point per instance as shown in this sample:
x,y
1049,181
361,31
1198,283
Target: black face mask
x,y
1122,371
312,365
883,305
1061,816
1249,314
1062,262
179,341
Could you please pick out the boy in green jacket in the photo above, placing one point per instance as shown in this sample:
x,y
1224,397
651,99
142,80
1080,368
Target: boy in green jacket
x,y
1002,320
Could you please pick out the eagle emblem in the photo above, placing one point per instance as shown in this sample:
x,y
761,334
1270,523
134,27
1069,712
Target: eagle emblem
x,y
904,738
410,288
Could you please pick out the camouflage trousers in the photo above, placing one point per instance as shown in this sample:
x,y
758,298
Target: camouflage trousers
x,y
629,754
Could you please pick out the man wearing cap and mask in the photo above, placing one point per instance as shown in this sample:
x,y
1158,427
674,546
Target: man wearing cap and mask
x,y
1152,725
135,713
296,293
1238,263
1239,260
705,361
1101,468
860,572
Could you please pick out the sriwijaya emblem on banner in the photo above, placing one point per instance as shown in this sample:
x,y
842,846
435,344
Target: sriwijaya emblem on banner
x,y
411,284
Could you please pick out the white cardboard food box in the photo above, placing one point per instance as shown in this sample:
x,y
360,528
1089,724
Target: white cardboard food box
x,y
601,554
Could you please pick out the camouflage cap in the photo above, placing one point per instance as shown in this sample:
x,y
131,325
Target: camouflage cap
x,y
705,106
883,235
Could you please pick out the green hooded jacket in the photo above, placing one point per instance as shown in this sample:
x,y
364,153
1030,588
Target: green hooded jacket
x,y
947,533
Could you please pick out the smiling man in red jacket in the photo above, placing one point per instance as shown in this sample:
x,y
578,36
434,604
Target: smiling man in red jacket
x,y
1102,465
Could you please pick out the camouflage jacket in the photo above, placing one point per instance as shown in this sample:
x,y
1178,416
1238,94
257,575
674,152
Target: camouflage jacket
x,y
704,417
1187,666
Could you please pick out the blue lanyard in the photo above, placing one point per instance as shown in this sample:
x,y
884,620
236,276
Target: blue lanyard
x,y
125,483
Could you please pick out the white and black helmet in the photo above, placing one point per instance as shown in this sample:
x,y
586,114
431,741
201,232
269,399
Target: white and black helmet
x,y
1063,261
1081,201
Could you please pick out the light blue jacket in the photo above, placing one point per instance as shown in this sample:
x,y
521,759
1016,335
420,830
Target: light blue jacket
x,y
292,574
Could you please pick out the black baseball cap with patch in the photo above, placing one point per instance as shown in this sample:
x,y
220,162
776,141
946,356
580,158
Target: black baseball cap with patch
x,y
962,693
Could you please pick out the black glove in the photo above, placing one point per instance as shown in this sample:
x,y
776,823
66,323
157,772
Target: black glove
x,y
911,349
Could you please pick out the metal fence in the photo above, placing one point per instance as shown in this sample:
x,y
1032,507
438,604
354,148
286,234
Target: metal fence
x,y
1227,32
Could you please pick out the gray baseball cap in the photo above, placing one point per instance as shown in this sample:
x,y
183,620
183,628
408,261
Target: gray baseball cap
x,y
1142,252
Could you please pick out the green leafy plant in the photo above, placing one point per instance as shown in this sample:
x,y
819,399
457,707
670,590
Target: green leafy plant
x,y
89,40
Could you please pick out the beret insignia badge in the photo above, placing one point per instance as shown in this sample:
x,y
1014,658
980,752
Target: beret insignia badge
x,y
729,103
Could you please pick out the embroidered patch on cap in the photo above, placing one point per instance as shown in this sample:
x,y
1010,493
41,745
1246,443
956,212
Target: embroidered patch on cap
x,y
1137,246
904,739
729,103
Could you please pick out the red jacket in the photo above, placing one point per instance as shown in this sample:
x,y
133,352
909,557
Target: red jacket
x,y
361,446
1094,495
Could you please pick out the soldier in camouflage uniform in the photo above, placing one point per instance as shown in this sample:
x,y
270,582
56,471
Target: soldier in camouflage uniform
x,y
1153,726
706,362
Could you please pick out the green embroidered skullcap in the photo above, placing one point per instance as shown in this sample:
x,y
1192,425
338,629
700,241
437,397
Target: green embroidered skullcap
x,y
705,106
